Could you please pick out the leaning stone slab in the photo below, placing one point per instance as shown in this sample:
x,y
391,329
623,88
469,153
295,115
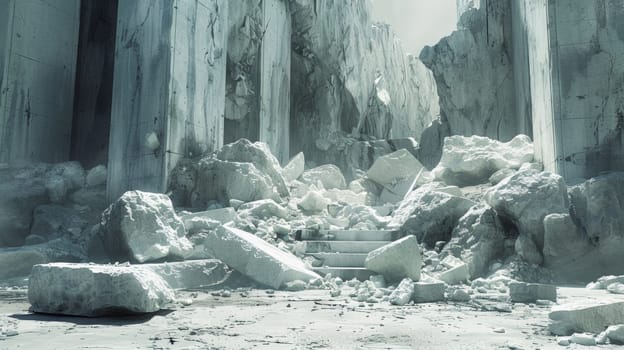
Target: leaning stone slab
x,y
521,292
403,293
582,316
255,258
456,274
96,290
397,260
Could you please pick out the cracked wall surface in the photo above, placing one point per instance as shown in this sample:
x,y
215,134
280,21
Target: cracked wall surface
x,y
38,49
168,82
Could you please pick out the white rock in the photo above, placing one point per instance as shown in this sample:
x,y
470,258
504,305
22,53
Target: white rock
x,y
263,209
616,334
521,292
207,220
429,291
583,339
222,181
259,154
456,274
329,175
394,167
472,160
397,260
255,258
616,288
313,201
145,226
192,274
429,215
586,316
294,168
97,176
72,172
403,293
526,198
479,236
460,295
500,175
605,281
566,247
346,197
96,290
563,341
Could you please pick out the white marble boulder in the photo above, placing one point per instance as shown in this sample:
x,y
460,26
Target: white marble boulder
x,y
143,227
397,260
430,215
472,160
525,199
255,258
258,154
586,316
294,168
477,239
96,290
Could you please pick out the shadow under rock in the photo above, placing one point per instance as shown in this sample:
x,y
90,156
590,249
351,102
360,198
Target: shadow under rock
x,y
121,320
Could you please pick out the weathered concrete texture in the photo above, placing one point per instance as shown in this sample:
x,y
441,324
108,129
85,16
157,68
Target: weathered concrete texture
x,y
38,44
350,76
474,74
162,110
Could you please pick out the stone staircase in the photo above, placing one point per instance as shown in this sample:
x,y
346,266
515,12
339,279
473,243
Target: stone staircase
x,y
343,252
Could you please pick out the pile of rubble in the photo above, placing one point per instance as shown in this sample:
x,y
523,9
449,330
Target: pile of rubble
x,y
485,224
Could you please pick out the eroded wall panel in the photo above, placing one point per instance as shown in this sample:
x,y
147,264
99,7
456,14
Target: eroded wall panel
x,y
39,63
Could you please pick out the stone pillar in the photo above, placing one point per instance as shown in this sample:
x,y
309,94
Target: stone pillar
x,y
38,44
168,89
275,60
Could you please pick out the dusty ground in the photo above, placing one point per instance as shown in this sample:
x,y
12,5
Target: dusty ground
x,y
289,320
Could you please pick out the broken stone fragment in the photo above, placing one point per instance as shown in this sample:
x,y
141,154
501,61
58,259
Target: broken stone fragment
x,y
468,161
393,167
429,215
143,227
255,258
207,220
526,198
456,274
585,339
521,292
258,154
294,168
263,209
190,274
313,201
97,176
428,291
586,316
397,260
616,334
329,175
96,290
403,293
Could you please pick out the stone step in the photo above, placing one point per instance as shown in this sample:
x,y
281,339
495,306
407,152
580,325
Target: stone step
x,y
346,273
341,259
343,246
346,235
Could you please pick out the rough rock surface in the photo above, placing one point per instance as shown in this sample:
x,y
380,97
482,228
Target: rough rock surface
x,y
143,227
531,292
583,316
96,290
397,260
403,293
255,258
294,168
190,274
259,154
429,215
328,175
477,239
337,91
472,160
526,198
428,291
394,167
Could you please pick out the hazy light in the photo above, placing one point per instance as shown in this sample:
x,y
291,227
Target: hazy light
x,y
417,22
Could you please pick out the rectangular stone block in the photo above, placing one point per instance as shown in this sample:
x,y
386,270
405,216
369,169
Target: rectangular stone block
x,y
531,292
428,292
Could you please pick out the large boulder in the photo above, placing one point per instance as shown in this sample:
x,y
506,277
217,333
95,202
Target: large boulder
x,y
96,290
259,154
143,227
429,215
394,167
472,160
223,180
397,260
192,274
477,239
255,258
526,198
586,315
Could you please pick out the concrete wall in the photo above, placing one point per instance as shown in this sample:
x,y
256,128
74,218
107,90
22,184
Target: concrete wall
x,y
587,43
39,62
275,59
169,81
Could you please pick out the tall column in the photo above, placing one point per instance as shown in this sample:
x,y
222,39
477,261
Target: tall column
x,y
275,78
168,89
38,44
